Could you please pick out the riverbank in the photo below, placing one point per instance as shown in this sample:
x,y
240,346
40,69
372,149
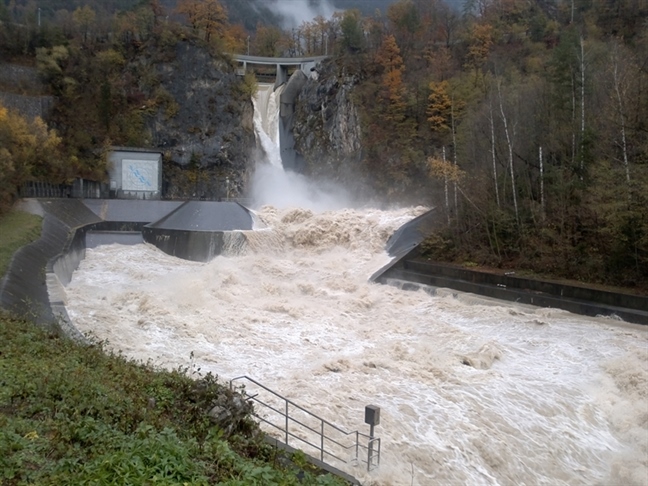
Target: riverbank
x,y
74,413
531,275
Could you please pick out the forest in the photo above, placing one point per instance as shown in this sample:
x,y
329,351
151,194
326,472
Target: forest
x,y
524,122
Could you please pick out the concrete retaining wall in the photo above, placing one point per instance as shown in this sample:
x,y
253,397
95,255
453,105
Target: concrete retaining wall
x,y
577,299
24,290
198,246
34,286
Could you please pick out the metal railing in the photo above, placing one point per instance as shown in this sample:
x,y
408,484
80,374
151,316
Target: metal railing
x,y
80,188
327,446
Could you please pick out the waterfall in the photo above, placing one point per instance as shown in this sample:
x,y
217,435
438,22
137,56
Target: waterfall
x,y
266,121
270,183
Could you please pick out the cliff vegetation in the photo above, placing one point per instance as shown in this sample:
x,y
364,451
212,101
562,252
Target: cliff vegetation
x,y
523,122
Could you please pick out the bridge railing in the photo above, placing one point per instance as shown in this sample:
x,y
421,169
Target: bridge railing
x,y
294,425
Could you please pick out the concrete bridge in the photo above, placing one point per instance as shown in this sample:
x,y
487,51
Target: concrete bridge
x,y
282,64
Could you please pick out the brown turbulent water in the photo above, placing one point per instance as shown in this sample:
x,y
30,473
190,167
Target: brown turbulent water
x,y
471,392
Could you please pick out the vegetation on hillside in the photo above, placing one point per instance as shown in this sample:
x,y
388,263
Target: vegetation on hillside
x,y
28,151
73,414
524,123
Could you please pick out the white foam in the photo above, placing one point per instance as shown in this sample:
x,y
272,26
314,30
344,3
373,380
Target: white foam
x,y
470,393
266,121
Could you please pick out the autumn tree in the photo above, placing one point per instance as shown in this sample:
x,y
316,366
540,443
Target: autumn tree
x,y
84,17
28,151
352,34
235,38
439,107
479,47
392,87
314,37
267,41
442,112
207,16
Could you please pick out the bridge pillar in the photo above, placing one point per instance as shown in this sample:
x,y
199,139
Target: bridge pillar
x,y
282,75
242,68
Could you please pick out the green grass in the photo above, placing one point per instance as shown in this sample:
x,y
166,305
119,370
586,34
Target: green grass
x,y
73,414
17,229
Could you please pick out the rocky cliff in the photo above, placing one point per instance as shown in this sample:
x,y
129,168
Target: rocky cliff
x,y
202,120
326,125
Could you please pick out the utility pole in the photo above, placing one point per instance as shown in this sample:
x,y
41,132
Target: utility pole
x,y
248,45
39,17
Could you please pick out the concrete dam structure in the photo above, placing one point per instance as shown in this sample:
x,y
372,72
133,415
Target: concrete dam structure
x,y
33,285
196,230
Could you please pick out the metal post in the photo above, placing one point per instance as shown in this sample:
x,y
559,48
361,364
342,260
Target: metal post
x,y
322,443
357,444
286,419
370,451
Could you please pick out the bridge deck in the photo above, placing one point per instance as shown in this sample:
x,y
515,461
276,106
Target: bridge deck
x,y
274,61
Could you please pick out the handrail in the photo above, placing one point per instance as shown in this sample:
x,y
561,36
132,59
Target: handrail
x,y
372,443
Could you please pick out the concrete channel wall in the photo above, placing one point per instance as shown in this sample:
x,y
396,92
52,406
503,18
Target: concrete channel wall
x,y
34,285
24,290
410,271
415,272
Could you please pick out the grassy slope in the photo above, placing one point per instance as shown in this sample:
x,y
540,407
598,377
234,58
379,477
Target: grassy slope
x,y
72,414
17,229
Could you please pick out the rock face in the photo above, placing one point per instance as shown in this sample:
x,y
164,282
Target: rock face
x,y
21,90
326,125
202,123
230,412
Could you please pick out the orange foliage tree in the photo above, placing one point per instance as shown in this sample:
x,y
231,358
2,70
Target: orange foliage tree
x,y
392,87
208,16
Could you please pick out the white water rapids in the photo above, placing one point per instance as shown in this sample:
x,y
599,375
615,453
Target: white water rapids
x,y
470,393
266,120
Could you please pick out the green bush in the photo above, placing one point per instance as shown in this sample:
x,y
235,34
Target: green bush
x,y
72,414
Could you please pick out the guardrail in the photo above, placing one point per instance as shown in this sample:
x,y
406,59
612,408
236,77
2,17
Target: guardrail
x,y
320,430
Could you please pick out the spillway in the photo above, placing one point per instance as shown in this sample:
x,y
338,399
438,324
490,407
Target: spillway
x,y
266,121
471,391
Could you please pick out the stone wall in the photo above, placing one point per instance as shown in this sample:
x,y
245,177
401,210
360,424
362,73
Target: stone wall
x,y
22,90
21,79
28,106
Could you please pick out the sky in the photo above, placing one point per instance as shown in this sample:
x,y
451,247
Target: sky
x,y
295,12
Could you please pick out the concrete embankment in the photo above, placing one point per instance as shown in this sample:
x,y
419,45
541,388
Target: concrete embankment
x,y
24,288
34,285
410,271
413,273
